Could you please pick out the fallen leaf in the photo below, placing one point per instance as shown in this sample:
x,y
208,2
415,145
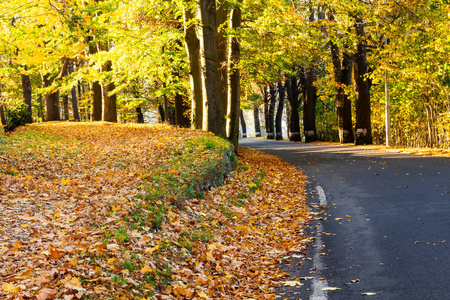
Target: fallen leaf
x,y
330,289
292,283
11,288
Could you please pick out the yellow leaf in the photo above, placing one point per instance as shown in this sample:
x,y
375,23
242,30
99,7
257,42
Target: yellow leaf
x,y
65,181
146,269
25,226
151,250
11,288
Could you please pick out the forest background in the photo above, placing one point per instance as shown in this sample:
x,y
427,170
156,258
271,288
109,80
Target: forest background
x,y
348,69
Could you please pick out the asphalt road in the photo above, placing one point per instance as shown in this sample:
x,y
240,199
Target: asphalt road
x,y
385,233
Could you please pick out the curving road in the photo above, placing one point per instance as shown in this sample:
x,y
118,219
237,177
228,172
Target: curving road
x,y
386,231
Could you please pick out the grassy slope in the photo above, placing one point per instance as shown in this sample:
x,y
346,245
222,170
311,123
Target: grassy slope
x,y
99,211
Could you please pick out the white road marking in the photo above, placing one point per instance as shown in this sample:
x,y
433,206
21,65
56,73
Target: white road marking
x,y
319,285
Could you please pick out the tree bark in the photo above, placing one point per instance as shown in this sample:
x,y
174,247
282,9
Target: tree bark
x,y
109,102
221,16
266,109
26,91
342,78
76,113
180,109
162,114
234,92
139,115
243,125
271,116
51,102
96,89
2,112
41,113
279,116
215,115
362,92
65,102
192,44
294,118
256,121
309,104
2,115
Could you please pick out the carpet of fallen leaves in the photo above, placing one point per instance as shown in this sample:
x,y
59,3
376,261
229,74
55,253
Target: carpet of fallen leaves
x,y
103,211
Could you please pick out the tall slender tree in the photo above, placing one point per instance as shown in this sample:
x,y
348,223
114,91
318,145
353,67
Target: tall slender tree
x,y
280,108
362,92
209,45
234,85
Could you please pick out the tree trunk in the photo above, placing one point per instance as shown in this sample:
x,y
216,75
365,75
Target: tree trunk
x,y
180,109
279,117
162,114
65,101
271,116
195,75
266,109
51,102
26,90
288,130
243,125
76,113
96,90
234,92
139,115
363,123
294,118
109,111
221,17
309,104
256,121
2,112
41,113
2,115
215,115
343,77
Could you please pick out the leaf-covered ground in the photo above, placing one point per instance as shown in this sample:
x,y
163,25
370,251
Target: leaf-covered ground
x,y
102,211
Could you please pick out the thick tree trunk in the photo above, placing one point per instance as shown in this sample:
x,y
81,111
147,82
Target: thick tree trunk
x,y
195,75
139,115
243,125
256,121
309,105
26,90
221,17
180,108
209,45
51,102
279,117
271,117
343,77
109,111
363,123
294,118
96,90
234,92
